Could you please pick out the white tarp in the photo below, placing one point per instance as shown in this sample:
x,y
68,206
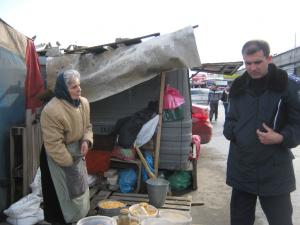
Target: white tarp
x,y
111,72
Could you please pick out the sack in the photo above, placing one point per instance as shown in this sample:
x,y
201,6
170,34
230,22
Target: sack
x,y
27,206
180,180
172,98
29,220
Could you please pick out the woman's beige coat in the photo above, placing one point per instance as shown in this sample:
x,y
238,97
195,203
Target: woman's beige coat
x,y
63,124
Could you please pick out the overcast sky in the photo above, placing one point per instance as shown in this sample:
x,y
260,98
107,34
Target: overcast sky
x,y
224,25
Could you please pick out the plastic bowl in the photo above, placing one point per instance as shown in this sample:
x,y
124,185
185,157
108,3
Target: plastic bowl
x,y
95,220
141,216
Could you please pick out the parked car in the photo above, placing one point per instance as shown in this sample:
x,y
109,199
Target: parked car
x,y
201,125
199,96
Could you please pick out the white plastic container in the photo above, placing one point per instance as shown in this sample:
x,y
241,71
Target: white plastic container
x,y
175,217
155,221
95,220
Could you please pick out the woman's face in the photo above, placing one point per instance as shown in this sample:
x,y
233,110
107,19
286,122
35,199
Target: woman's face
x,y
74,89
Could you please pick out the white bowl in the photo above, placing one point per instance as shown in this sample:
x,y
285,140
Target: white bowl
x,y
142,216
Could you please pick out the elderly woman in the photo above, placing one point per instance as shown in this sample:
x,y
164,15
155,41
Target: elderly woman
x,y
67,135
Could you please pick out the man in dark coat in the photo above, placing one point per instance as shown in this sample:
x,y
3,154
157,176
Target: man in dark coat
x,y
213,100
263,124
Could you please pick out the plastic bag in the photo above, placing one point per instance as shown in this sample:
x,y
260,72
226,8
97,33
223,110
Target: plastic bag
x,y
127,180
180,180
170,115
172,98
25,207
147,131
29,220
149,159
36,185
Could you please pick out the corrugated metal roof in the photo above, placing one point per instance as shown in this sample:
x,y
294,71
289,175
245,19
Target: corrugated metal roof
x,y
227,68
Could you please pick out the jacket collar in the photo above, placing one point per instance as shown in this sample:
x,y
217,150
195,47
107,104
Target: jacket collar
x,y
278,80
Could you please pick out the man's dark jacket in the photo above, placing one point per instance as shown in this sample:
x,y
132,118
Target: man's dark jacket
x,y
254,167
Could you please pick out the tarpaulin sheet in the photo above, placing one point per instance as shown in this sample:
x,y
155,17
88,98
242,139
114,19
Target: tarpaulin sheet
x,y
106,74
12,40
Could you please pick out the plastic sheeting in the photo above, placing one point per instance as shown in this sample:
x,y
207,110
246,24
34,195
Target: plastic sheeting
x,y
109,73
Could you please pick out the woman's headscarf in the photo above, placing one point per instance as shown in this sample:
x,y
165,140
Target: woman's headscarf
x,y
61,91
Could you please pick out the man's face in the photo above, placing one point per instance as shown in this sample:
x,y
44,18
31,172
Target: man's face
x,y
257,64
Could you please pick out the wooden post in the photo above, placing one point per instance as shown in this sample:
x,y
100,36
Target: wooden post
x,y
160,111
151,175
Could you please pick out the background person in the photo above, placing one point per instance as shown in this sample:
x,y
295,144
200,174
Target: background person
x,y
213,100
67,135
225,99
263,124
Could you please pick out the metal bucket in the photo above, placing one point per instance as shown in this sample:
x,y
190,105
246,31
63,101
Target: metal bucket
x,y
157,191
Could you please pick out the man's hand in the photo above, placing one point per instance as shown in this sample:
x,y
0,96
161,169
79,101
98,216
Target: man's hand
x,y
84,148
269,137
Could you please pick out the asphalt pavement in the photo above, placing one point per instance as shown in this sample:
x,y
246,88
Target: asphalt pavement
x,y
212,190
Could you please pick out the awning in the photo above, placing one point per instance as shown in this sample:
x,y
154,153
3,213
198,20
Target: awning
x,y
227,68
113,71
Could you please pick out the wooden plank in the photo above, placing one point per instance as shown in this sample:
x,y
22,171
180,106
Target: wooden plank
x,y
93,191
179,198
172,202
165,206
98,197
125,199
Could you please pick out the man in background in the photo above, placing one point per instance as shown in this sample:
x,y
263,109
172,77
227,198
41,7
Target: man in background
x,y
213,101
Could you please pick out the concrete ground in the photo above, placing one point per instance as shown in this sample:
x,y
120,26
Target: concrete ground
x,y
213,191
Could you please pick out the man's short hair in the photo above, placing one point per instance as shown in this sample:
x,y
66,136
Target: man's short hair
x,y
253,46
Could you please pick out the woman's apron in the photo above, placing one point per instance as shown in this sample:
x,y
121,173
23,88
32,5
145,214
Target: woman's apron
x,y
71,185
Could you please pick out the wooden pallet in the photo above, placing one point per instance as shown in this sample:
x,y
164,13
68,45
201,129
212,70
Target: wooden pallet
x,y
172,202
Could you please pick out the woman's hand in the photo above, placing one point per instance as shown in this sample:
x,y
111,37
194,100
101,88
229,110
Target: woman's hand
x,y
84,147
269,137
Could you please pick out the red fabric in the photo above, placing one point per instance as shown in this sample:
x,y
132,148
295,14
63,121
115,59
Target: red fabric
x,y
203,128
34,84
200,112
97,161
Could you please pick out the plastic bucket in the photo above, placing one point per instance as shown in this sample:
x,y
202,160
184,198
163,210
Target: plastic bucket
x,y
157,191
